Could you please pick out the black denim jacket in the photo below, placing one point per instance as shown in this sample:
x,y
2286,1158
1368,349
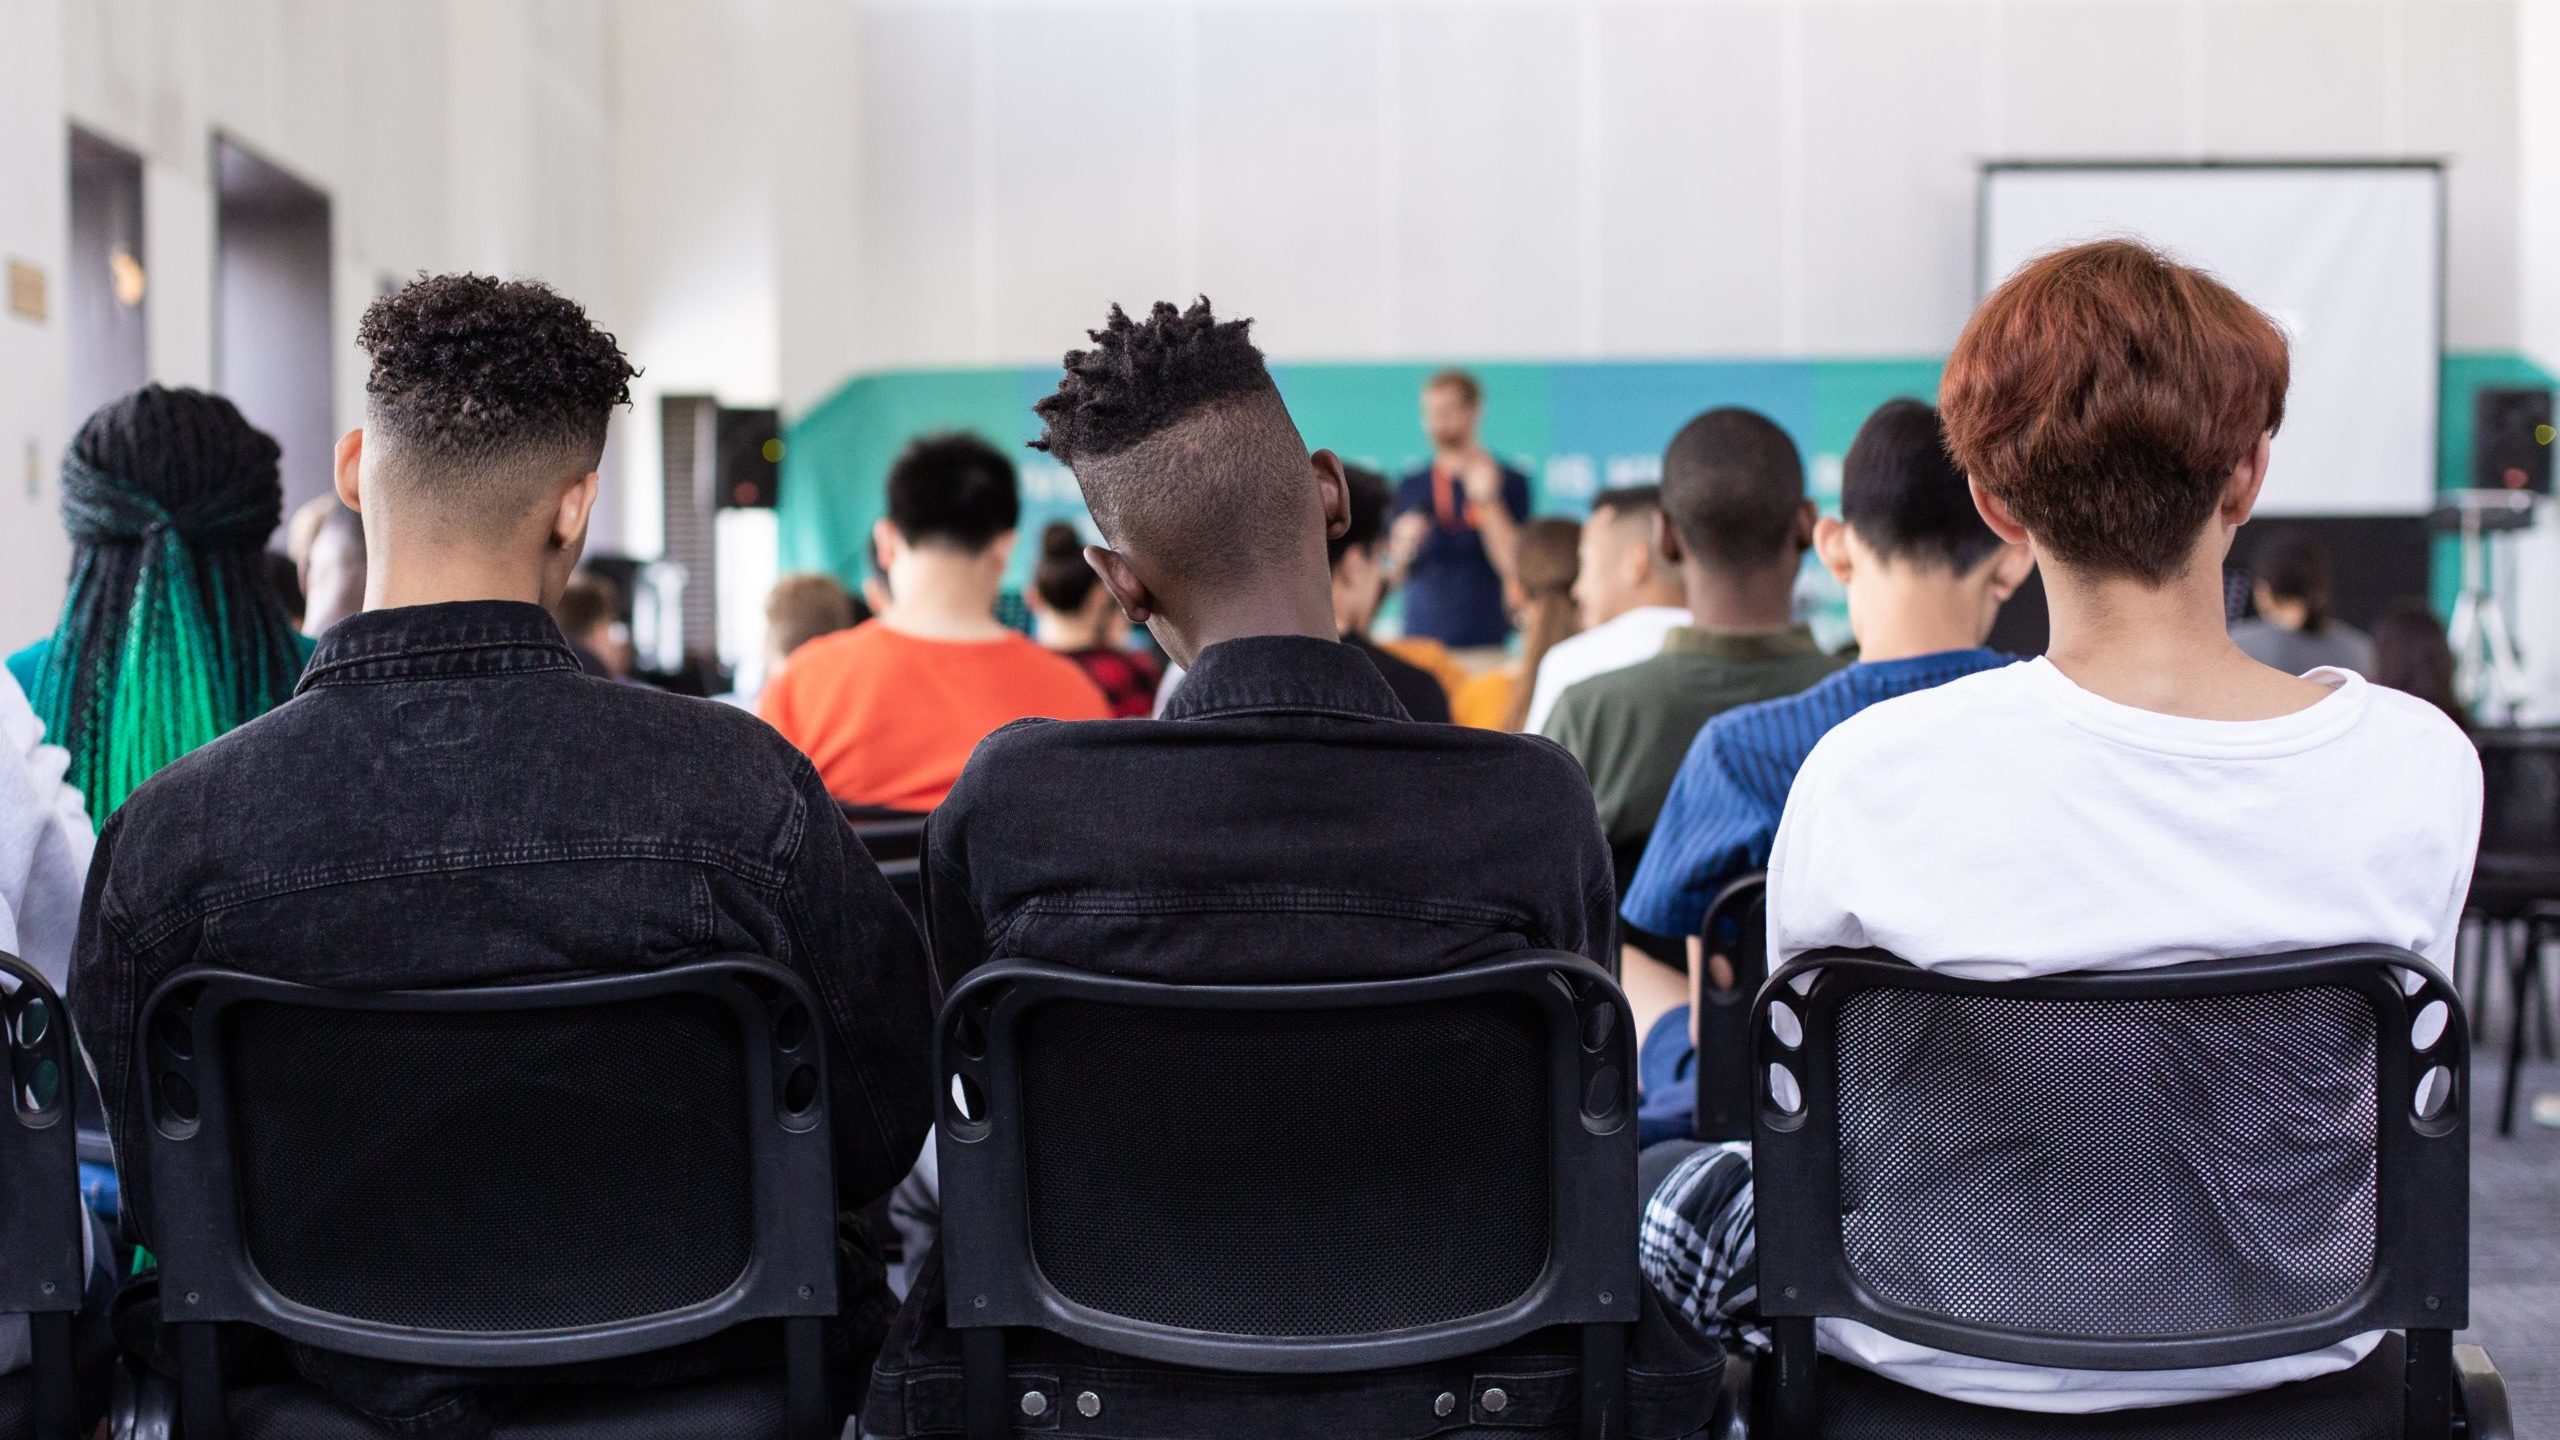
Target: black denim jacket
x,y
447,800
1283,822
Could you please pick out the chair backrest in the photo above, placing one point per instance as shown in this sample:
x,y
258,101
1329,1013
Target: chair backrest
x,y
2198,1165
2520,814
1289,1178
39,1159
886,835
503,1176
1737,927
40,1216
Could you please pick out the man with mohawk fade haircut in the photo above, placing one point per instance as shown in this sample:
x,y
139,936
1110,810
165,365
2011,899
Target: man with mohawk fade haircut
x,y
1285,821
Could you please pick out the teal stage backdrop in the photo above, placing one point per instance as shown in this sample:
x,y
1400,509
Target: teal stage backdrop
x,y
1574,427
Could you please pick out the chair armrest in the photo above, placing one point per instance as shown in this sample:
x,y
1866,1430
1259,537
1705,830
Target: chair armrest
x,y
2484,1395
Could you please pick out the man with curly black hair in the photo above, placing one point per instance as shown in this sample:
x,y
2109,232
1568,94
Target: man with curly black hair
x,y
1284,821
448,801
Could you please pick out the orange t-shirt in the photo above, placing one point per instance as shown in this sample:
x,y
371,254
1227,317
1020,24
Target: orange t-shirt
x,y
889,718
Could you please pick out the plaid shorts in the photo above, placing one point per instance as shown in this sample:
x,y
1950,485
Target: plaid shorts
x,y
1698,1244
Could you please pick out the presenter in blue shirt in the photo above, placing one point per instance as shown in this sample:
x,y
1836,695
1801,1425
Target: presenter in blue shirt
x,y
1457,524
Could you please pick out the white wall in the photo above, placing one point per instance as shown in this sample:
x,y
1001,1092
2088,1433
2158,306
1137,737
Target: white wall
x,y
34,223
1546,178
447,134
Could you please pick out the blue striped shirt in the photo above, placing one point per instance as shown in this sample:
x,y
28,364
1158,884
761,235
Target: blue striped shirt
x,y
1723,811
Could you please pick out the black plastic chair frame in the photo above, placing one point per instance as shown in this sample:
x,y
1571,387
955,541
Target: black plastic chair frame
x,y
1724,1071
208,1276
994,1279
40,1266
2421,1278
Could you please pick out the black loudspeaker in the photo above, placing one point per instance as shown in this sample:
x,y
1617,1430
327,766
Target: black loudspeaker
x,y
747,449
2511,439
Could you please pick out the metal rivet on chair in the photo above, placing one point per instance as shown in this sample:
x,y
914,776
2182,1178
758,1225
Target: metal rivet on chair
x,y
1088,1404
1443,1403
1034,1404
1496,1401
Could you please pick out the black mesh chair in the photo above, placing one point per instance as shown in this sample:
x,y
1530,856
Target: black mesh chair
x,y
1289,1179
886,834
2199,1165
1736,927
40,1267
895,841
2516,884
497,1178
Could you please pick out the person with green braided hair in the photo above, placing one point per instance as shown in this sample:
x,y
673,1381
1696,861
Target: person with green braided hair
x,y
171,634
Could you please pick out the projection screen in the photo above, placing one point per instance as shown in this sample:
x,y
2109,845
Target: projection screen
x,y
2348,258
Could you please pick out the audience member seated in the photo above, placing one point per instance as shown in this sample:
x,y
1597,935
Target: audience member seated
x,y
171,633
890,709
1540,593
589,614
2294,630
45,840
1735,524
2144,794
1925,579
1457,524
1284,823
449,801
2411,655
45,843
798,609
1360,583
1629,595
326,541
1073,615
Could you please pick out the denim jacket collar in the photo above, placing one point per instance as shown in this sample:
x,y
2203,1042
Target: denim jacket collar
x,y
1267,674
462,637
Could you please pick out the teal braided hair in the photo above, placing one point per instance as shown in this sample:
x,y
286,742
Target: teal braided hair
x,y
171,634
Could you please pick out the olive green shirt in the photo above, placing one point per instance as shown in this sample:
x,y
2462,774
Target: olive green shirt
x,y
1631,728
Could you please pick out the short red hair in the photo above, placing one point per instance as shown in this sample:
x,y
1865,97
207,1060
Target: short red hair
x,y
2105,393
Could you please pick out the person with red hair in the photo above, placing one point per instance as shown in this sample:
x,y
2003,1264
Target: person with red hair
x,y
2143,794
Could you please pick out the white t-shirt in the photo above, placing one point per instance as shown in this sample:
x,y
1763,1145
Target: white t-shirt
x,y
45,841
2011,824
1614,645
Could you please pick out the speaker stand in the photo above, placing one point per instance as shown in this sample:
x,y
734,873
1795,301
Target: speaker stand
x,y
2489,670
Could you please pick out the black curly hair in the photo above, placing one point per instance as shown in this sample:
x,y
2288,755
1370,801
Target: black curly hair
x,y
477,377
1180,442
1141,377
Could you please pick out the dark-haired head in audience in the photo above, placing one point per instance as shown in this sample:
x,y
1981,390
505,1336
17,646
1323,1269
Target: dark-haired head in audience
x,y
1360,586
2410,654
485,415
1735,519
943,546
1214,515
1922,571
2296,629
1072,614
